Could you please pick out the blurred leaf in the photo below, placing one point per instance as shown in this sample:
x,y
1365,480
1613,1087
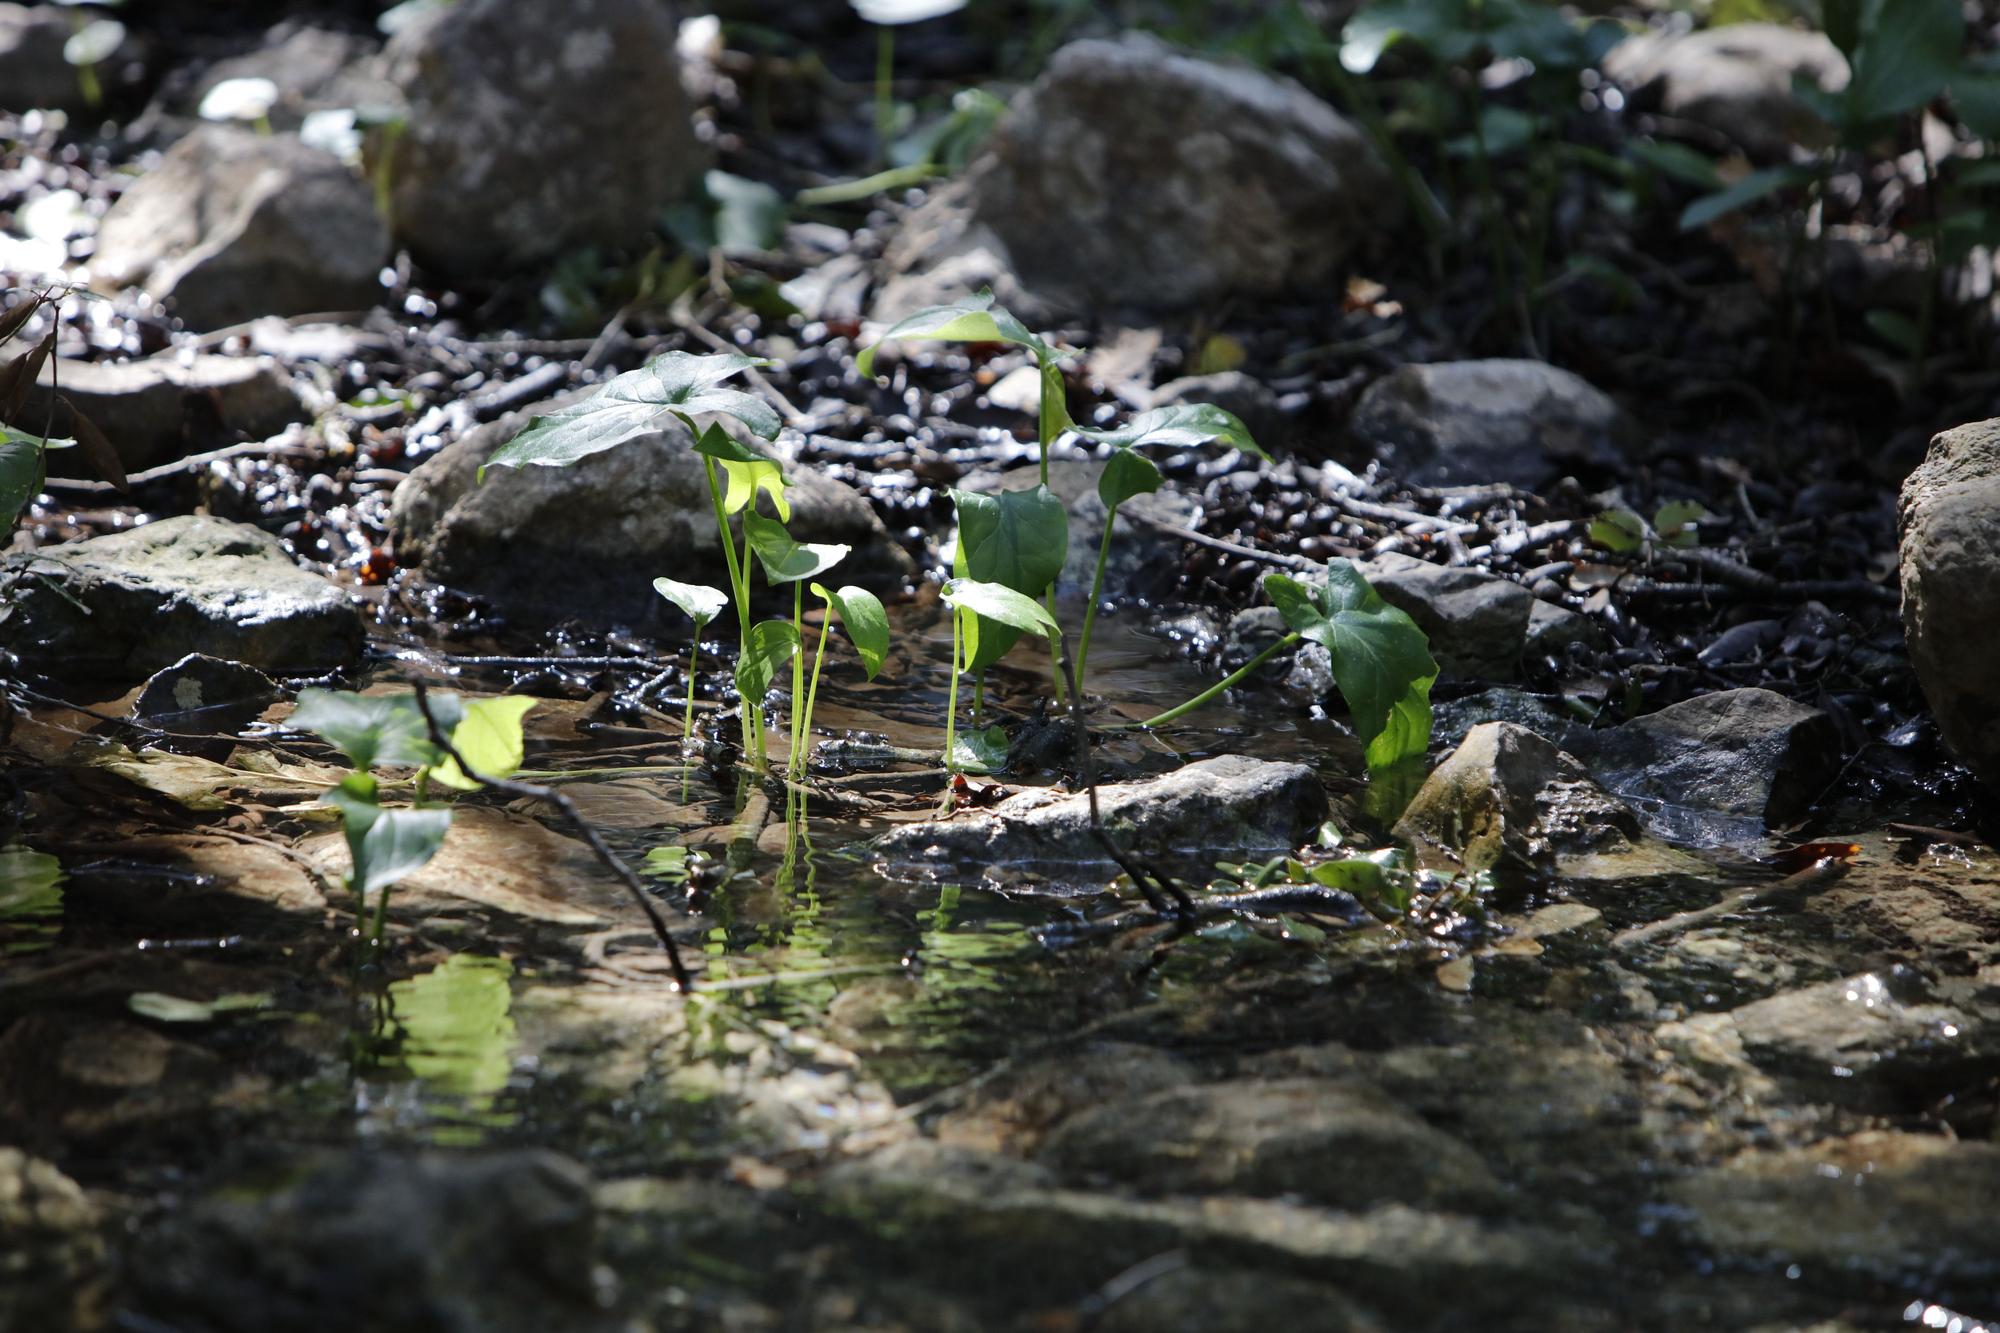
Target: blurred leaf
x,y
1896,329
490,738
96,449
771,645
980,753
1757,185
1676,162
1909,51
1181,426
95,42
385,844
163,1008
974,320
1618,530
376,730
732,214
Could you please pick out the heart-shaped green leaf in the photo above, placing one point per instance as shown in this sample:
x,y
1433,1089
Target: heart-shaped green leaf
x,y
980,752
997,602
1381,660
1016,538
1181,426
385,843
697,601
785,560
490,739
867,623
746,472
635,404
21,472
974,320
377,729
1126,474
770,645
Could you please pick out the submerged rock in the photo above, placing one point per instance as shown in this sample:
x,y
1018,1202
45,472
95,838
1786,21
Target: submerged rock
x,y
1132,174
588,540
1461,423
1225,808
520,143
1949,516
154,408
1716,768
1477,622
361,1240
125,605
1508,799
232,225
1736,79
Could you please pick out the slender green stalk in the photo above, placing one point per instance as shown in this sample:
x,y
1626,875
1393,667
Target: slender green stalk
x,y
799,722
951,699
1047,428
1096,594
812,691
1222,684
885,90
739,590
687,721
757,707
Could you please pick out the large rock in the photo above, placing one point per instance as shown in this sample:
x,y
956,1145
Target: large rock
x,y
1131,174
588,540
1507,798
1735,80
1477,622
154,408
1716,768
497,1241
233,224
521,142
1459,423
1225,808
125,605
1950,520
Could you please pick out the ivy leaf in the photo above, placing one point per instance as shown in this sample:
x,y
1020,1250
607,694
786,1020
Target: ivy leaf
x,y
1181,426
699,602
1381,660
746,472
997,602
866,622
980,752
1127,473
376,730
974,320
771,645
785,560
633,405
490,739
385,844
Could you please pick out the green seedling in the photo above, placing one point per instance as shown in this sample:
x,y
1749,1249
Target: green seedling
x,y
1674,524
976,607
701,604
788,561
867,625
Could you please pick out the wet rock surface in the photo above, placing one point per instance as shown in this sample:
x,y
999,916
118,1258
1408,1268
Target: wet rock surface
x,y
1950,522
233,225
128,604
1477,422
162,407
1213,808
1477,622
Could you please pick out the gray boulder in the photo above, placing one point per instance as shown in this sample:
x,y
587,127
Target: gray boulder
x,y
1950,521
1460,423
1507,799
233,224
1477,622
1132,174
588,540
522,142
1717,768
125,605
154,408
1735,80
1224,808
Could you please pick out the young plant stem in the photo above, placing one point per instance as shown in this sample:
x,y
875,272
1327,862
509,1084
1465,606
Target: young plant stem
x,y
687,721
1223,684
794,757
951,697
1047,428
812,690
756,705
739,589
1096,593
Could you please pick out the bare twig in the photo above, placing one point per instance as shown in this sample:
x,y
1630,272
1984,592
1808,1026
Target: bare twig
x,y
1819,875
1217,543
533,792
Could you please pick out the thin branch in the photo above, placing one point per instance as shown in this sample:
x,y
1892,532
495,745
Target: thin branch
x,y
610,859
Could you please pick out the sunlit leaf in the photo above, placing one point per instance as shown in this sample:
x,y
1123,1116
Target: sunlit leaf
x,y
980,752
21,472
489,737
699,602
1181,426
636,404
1381,659
164,1008
771,645
95,42
866,622
1618,530
785,560
457,1024
745,472
1757,185
974,320
385,843
376,729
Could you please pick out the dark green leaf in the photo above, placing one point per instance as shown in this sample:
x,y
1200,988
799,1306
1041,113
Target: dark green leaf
x,y
1976,98
96,449
385,843
699,602
1016,538
21,473
997,602
1676,162
771,645
1381,659
1181,426
785,560
1895,328
1126,474
867,623
974,320
732,214
980,752
636,404
1747,191
489,737
376,730
1909,51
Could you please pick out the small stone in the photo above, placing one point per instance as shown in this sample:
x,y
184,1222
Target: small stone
x,y
154,408
126,605
1458,423
1508,799
1225,808
1736,79
313,69
1554,630
1477,622
208,694
233,225
1949,516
